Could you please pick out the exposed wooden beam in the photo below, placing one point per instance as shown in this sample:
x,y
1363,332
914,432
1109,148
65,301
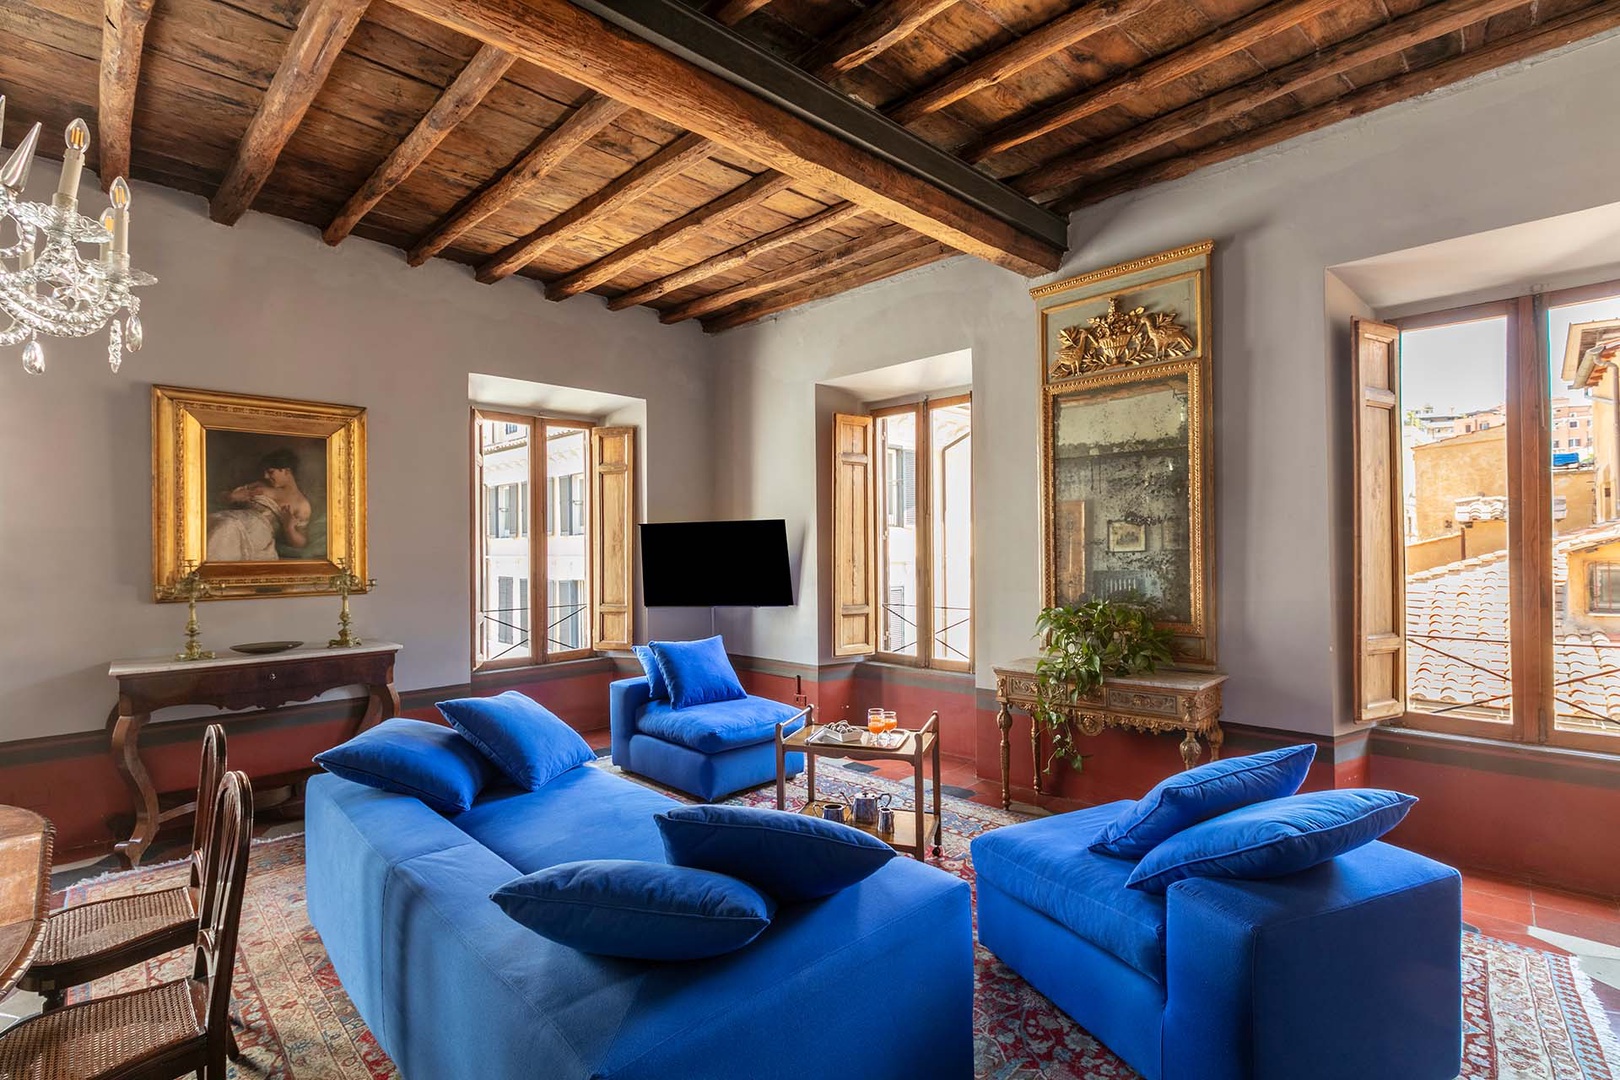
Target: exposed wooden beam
x,y
460,98
1446,17
669,162
579,45
545,155
737,256
1219,43
123,32
831,285
682,230
323,30
877,29
883,239
732,12
1062,32
1554,34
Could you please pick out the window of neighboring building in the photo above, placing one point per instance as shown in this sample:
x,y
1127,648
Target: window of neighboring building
x,y
1478,583
514,457
925,533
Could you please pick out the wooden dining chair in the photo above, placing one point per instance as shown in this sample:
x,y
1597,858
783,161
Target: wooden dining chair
x,y
166,1031
86,942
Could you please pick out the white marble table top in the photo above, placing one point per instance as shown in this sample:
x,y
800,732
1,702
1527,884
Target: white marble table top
x,y
154,665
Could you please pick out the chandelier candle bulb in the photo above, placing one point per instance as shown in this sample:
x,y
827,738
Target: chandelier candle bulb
x,y
107,222
78,138
120,208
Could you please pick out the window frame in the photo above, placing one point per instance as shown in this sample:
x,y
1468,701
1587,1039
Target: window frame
x,y
1533,716
923,525
536,522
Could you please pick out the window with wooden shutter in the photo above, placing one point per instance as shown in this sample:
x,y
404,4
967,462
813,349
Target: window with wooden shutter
x,y
612,506
854,566
1380,555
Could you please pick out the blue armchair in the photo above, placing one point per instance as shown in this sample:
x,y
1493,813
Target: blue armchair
x,y
1347,971
709,751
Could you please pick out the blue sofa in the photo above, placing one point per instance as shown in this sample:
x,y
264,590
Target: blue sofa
x,y
1348,971
708,751
455,990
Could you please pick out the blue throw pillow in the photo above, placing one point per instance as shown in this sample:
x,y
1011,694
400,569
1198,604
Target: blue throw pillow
x,y
520,735
413,757
697,672
1270,839
793,857
637,910
1199,794
655,678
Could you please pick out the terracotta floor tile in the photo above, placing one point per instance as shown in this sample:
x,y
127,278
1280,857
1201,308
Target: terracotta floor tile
x,y
1484,882
1575,903
1593,928
1513,909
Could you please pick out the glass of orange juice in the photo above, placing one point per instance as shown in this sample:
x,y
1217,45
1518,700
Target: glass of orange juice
x,y
875,722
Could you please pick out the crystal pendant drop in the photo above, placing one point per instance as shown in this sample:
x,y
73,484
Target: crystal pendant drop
x,y
115,346
34,358
133,337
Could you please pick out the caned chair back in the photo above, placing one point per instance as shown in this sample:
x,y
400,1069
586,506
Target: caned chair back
x,y
219,910
213,768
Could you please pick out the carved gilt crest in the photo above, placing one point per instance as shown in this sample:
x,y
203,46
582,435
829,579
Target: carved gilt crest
x,y
1119,338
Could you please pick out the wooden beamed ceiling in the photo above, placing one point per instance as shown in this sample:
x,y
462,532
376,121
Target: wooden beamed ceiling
x,y
530,138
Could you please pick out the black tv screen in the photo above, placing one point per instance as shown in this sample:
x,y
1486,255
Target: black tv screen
x,y
716,564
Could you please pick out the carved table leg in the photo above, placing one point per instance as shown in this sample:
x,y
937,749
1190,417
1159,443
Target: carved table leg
x,y
1035,751
382,703
1216,737
126,755
1004,722
1190,749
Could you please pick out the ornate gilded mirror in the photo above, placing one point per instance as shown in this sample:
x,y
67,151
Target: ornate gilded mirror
x,y
1126,449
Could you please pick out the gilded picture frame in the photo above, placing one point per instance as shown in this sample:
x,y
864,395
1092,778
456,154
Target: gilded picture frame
x,y
1125,359
266,496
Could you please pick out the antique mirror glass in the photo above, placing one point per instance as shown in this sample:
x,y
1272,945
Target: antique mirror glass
x,y
1126,467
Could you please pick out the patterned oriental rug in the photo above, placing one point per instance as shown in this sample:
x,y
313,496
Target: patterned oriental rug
x,y
1529,1015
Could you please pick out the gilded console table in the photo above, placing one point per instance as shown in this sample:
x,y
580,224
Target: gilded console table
x,y
1184,701
234,683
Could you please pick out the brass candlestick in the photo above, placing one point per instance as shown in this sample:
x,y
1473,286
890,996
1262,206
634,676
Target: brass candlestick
x,y
191,587
345,582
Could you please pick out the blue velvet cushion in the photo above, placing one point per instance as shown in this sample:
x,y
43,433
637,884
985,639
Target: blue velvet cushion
x,y
697,672
520,735
655,678
1271,839
413,757
1199,794
794,857
717,725
637,910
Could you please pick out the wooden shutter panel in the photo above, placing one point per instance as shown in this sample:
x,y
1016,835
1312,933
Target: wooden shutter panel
x,y
613,523
1379,659
854,593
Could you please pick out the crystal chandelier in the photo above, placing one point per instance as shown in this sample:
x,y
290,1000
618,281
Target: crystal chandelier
x,y
47,285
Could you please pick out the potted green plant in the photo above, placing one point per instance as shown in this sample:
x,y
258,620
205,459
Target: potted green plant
x,y
1083,644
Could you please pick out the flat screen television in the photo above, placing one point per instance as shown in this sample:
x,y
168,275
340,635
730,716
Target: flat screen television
x,y
716,564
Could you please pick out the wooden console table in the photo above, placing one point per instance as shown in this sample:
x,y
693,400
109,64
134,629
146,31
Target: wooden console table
x,y
1184,701
234,683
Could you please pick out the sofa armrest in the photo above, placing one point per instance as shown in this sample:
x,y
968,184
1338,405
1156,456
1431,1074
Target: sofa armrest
x,y
626,699
1333,972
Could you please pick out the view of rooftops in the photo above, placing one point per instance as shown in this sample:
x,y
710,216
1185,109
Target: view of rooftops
x,y
1470,587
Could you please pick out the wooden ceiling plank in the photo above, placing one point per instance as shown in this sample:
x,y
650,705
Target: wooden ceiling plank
x,y
879,240
873,32
682,230
123,33
583,47
1437,20
487,67
836,283
1218,44
551,150
732,258
322,32
1066,30
1554,34
732,12
681,154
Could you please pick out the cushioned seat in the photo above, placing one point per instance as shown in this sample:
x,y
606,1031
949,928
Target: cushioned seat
x,y
1045,865
717,726
579,815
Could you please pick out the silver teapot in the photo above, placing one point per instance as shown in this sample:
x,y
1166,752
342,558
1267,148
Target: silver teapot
x,y
867,805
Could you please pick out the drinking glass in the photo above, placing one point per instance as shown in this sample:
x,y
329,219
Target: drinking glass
x,y
875,722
